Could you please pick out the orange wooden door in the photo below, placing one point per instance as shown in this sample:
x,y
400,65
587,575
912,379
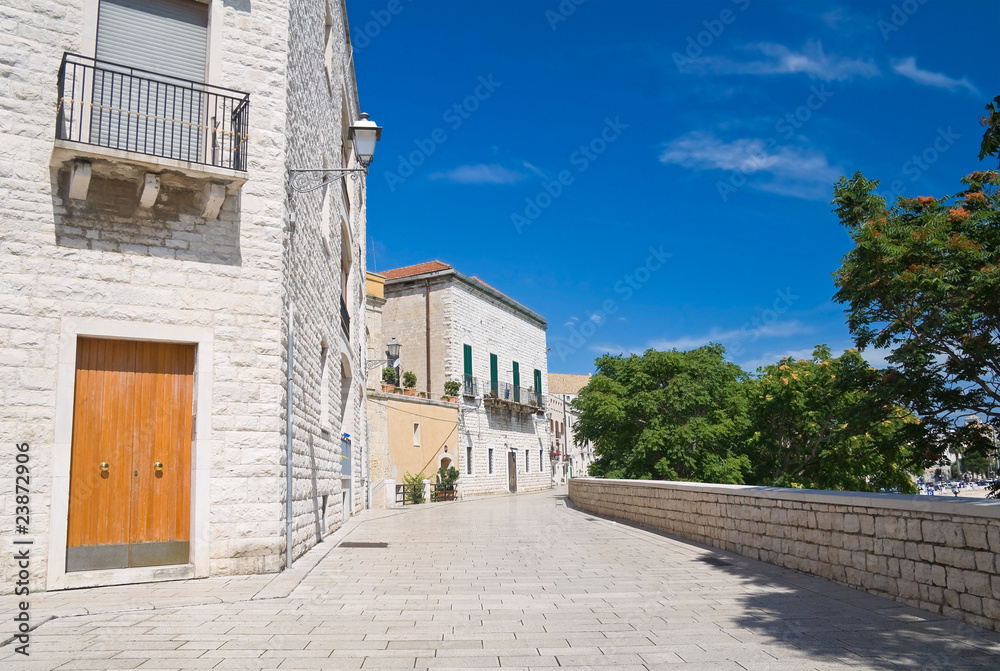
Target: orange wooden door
x,y
161,455
100,465
133,412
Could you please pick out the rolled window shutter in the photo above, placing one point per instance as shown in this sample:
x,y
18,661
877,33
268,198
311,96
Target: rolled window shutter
x,y
168,37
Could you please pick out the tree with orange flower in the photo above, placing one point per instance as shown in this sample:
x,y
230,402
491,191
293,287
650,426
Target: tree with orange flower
x,y
923,280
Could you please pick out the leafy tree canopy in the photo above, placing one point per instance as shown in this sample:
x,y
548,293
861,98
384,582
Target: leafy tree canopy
x,y
825,423
666,415
924,281
991,138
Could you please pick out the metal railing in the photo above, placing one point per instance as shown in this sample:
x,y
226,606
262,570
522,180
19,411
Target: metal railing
x,y
345,318
506,391
470,386
407,495
118,107
442,493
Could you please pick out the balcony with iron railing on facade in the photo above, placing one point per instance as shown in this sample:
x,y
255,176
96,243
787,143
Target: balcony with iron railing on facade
x,y
127,115
503,394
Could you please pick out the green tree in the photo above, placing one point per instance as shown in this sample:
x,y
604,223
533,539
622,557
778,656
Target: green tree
x,y
666,415
826,423
924,281
991,138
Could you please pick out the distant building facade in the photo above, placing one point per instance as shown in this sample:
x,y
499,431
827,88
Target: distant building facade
x,y
458,328
569,459
153,267
415,435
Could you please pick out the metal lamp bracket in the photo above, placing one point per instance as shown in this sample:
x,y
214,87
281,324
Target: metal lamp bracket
x,y
304,181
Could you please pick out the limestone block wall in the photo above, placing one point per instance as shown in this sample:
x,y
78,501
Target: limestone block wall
x,y
110,260
163,266
934,553
493,327
404,318
502,431
321,92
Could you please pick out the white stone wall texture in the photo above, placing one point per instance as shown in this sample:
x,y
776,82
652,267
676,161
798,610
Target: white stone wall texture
x,y
460,315
233,275
492,327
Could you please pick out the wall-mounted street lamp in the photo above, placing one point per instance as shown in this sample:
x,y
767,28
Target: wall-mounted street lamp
x,y
363,134
392,349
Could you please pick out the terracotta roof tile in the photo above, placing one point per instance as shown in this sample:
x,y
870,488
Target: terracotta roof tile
x,y
436,266
496,290
418,269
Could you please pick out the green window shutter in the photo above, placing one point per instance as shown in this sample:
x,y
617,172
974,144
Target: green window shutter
x,y
538,385
517,384
468,359
494,386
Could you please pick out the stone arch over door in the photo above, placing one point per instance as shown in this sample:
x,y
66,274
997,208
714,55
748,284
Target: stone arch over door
x,y
445,461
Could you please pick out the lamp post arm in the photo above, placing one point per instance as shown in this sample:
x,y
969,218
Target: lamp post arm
x,y
369,365
304,181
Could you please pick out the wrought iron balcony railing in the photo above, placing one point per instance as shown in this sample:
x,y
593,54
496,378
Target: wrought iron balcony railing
x,y
504,391
119,107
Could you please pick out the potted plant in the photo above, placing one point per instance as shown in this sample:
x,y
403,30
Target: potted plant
x,y
388,379
451,389
409,383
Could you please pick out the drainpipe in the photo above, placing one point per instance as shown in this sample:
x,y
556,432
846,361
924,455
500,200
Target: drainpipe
x,y
427,331
288,437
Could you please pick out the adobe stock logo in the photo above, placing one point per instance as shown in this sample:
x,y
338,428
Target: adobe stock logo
x,y
381,18
626,289
581,159
454,116
714,28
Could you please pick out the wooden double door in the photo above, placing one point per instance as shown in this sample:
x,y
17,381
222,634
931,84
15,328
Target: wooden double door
x,y
130,470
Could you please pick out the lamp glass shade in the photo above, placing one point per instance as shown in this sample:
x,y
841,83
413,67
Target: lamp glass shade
x,y
393,349
364,134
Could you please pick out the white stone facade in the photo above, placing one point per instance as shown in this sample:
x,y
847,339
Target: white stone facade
x,y
574,459
111,266
463,311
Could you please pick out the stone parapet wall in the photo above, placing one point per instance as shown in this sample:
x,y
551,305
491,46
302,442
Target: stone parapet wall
x,y
938,554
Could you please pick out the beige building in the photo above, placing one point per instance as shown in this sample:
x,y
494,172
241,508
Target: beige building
x,y
569,459
154,266
452,327
406,434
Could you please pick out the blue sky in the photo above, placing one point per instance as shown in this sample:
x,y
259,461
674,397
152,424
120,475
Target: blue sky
x,y
658,173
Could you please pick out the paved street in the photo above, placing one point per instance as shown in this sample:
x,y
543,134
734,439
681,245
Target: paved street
x,y
516,581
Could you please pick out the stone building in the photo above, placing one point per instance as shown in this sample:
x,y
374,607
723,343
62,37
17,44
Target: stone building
x,y
457,328
153,264
569,459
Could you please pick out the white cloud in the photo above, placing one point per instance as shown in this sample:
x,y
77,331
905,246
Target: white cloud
x,y
608,348
780,60
481,173
752,365
876,356
745,335
793,171
907,67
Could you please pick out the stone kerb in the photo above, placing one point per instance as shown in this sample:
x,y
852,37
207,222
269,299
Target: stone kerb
x,y
934,553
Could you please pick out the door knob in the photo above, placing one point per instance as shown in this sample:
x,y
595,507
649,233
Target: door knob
x,y
105,466
158,466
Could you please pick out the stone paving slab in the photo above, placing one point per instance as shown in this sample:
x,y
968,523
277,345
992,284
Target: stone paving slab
x,y
516,582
